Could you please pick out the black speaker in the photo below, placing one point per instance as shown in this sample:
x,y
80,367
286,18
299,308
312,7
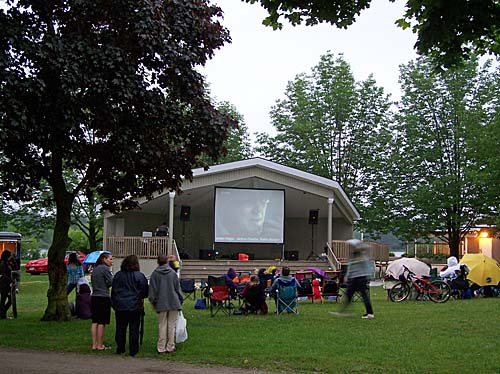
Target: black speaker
x,y
185,213
292,255
207,254
313,216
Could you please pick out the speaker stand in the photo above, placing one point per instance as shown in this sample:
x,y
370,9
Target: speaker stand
x,y
312,255
184,253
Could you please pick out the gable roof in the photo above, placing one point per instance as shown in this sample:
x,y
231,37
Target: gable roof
x,y
303,191
265,169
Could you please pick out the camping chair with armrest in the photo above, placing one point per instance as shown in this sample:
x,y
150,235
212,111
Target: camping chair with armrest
x,y
356,296
254,300
265,281
188,288
330,289
286,296
219,295
305,289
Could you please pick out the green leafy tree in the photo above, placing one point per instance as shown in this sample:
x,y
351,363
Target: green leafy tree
x,y
4,214
79,241
238,143
88,217
436,182
33,218
327,125
110,90
448,30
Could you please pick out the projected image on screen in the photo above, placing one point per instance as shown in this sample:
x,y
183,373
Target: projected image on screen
x,y
249,216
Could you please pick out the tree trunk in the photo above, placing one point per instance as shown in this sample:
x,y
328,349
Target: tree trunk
x,y
454,243
57,307
92,223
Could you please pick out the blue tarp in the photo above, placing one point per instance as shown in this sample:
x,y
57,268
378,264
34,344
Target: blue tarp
x,y
92,257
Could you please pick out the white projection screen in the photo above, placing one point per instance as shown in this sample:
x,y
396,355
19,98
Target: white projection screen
x,y
249,215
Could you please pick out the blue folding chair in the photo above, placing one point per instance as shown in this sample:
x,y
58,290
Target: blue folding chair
x,y
286,296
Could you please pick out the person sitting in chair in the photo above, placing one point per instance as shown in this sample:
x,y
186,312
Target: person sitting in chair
x,y
230,276
284,278
451,269
254,297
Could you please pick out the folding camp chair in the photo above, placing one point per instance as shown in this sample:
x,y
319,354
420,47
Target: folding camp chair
x,y
330,290
219,295
188,288
356,296
286,296
305,289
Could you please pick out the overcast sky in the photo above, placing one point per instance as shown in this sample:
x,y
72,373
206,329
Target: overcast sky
x,y
252,71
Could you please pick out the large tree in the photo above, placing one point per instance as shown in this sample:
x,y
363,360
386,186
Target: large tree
x,y
238,145
447,30
109,89
329,125
88,217
437,178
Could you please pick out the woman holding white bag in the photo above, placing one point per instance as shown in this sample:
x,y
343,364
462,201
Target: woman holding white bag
x,y
166,297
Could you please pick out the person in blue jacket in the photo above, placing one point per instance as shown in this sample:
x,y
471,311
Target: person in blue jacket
x,y
129,288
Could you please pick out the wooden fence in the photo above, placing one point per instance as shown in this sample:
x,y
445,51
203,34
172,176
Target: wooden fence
x,y
377,251
433,248
122,246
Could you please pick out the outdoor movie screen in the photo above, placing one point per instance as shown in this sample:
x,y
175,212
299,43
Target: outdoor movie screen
x,y
249,215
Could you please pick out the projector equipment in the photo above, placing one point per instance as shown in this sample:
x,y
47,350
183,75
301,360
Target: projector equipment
x,y
185,213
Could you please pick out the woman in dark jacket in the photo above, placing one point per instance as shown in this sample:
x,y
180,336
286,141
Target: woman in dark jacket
x,y
5,281
130,287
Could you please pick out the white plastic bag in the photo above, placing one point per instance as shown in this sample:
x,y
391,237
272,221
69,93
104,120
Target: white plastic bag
x,y
181,333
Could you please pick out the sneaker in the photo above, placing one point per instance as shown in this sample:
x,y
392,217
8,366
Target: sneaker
x,y
368,316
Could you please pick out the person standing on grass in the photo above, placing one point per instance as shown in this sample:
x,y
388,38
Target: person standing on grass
x,y
166,298
129,289
5,282
74,269
360,270
100,302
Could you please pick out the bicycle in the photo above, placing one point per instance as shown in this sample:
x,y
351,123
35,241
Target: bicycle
x,y
436,290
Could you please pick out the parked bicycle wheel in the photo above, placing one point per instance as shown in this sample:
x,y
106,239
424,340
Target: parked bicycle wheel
x,y
399,292
439,291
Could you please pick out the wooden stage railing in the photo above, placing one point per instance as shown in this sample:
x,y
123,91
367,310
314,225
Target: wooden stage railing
x,y
342,250
122,246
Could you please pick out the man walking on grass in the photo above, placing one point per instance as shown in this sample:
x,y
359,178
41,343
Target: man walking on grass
x,y
360,270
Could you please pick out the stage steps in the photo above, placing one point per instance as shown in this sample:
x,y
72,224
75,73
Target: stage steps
x,y
201,269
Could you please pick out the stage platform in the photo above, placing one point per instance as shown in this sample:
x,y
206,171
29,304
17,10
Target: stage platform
x,y
201,269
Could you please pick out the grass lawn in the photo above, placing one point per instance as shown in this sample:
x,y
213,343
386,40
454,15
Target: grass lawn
x,y
413,336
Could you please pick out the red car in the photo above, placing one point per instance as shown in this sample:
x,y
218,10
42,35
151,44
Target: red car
x,y
36,267
41,265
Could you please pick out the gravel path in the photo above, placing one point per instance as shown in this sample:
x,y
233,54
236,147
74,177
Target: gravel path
x,y
23,361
